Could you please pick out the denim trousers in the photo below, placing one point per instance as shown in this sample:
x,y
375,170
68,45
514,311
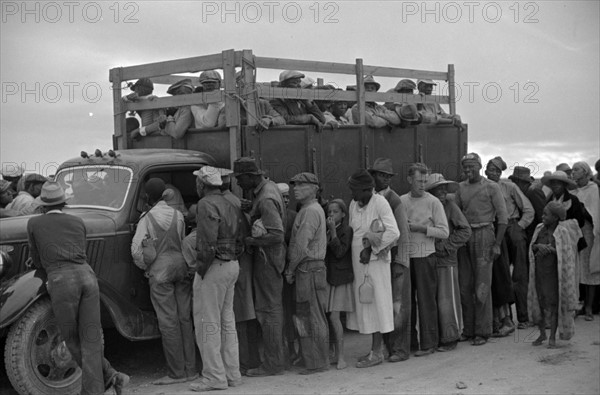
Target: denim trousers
x,y
172,304
214,320
75,301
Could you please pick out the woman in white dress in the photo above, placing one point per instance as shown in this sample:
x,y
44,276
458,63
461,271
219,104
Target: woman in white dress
x,y
371,218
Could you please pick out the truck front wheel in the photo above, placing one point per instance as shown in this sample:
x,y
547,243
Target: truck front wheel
x,y
36,358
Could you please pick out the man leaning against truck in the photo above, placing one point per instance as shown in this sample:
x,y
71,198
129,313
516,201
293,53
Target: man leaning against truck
x,y
269,261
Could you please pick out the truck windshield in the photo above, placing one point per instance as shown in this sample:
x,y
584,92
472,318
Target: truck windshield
x,y
96,186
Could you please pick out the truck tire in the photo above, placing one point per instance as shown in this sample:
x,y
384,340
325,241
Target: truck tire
x,y
36,359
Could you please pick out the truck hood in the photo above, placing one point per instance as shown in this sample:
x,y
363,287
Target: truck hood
x,y
97,222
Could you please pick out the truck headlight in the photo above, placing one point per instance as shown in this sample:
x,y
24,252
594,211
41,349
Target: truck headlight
x,y
5,258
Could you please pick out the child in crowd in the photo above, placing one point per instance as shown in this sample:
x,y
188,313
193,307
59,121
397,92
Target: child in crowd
x,y
340,274
552,294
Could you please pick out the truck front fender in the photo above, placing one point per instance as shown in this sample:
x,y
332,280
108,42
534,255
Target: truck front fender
x,y
20,292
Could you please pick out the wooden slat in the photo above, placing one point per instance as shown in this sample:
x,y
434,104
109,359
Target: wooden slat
x,y
119,110
360,91
186,65
345,68
177,101
171,79
249,70
232,106
451,89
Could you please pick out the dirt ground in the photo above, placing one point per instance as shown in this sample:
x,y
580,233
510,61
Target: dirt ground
x,y
508,365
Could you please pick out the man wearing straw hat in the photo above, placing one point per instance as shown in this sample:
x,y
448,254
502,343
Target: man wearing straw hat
x,y
73,288
376,115
448,290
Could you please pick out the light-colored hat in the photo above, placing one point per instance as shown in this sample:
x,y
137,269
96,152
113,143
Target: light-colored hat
x,y
209,76
370,80
307,83
51,195
209,175
4,185
183,83
405,84
498,162
472,156
283,187
559,175
408,112
436,179
287,74
304,178
383,165
426,82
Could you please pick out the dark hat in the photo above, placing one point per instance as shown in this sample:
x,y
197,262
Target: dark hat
x,y
155,187
383,165
361,180
408,112
405,84
436,179
146,82
209,76
559,175
521,173
564,167
131,123
246,165
304,178
472,156
185,82
51,194
498,162
370,80
351,88
34,179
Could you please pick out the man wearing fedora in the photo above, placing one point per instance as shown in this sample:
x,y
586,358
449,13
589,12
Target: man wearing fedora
x,y
397,341
178,119
306,268
482,203
376,115
297,111
207,115
217,270
408,112
448,290
269,261
73,288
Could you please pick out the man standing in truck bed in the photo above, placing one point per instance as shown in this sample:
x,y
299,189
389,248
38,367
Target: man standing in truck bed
x,y
269,260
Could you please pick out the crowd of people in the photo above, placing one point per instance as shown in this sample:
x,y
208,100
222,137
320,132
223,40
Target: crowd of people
x,y
418,272
176,121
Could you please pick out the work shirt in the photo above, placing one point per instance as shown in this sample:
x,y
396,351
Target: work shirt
x,y
218,227
206,115
482,202
428,211
308,241
182,121
56,239
163,215
518,207
460,233
400,253
23,204
295,110
268,206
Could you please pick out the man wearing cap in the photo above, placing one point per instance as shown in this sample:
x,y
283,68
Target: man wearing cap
x,y
369,213
306,267
178,120
522,178
482,203
12,173
142,92
217,271
24,203
207,115
269,260
297,111
450,320
520,216
73,288
170,285
427,222
565,168
376,115
398,341
5,194
433,112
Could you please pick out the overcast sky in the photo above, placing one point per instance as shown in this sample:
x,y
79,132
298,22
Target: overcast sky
x,y
528,71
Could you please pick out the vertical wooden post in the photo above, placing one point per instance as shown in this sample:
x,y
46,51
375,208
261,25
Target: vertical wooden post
x,y
119,109
232,107
451,89
360,103
249,72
